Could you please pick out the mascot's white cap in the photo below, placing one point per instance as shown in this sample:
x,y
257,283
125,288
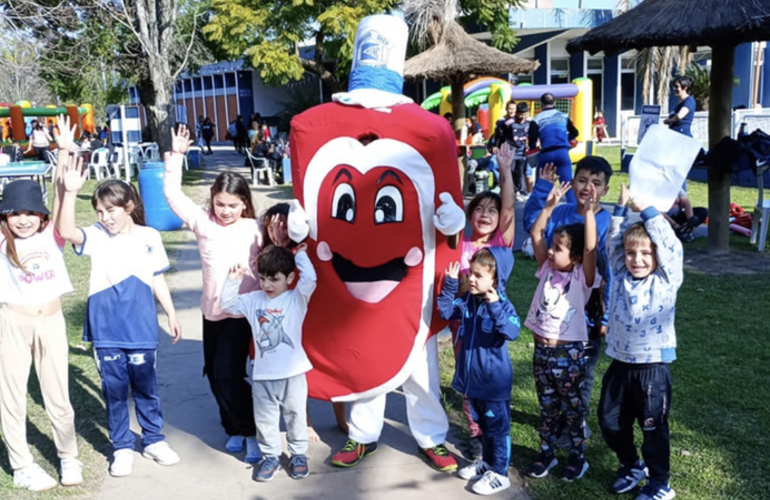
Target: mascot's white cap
x,y
378,54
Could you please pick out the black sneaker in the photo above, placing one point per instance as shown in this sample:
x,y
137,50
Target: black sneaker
x,y
627,478
298,467
575,469
542,464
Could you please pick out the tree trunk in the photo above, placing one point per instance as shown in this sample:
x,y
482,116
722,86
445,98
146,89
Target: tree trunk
x,y
720,103
458,107
156,20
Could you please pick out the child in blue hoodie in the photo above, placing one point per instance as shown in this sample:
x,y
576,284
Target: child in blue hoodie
x,y
483,370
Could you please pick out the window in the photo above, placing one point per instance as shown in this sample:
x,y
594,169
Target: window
x,y
595,65
229,80
627,91
197,83
560,70
188,85
519,79
219,82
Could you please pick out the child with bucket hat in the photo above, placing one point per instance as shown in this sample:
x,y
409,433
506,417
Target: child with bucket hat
x,y
33,279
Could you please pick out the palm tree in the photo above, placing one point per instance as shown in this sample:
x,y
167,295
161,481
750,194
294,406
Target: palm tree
x,y
656,65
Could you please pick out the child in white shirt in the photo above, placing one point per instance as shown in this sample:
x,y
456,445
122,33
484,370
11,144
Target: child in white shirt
x,y
279,385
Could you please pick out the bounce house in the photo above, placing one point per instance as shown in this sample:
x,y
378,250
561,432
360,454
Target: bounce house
x,y
18,115
575,99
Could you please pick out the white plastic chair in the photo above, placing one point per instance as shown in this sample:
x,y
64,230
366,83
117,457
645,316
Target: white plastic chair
x,y
100,161
759,221
259,167
151,153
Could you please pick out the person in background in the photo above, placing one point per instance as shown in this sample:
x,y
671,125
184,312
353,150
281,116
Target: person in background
x,y
556,134
680,119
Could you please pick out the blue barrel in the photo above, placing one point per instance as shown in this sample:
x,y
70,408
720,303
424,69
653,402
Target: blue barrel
x,y
194,158
157,213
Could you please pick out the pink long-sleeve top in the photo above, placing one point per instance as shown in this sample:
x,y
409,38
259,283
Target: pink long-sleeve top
x,y
220,246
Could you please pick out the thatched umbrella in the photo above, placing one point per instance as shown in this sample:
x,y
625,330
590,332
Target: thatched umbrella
x,y
456,58
720,24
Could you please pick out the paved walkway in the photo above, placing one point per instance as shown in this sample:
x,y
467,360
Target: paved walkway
x,y
208,471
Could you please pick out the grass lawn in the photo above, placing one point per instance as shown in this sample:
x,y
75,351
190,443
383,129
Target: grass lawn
x,y
85,384
719,423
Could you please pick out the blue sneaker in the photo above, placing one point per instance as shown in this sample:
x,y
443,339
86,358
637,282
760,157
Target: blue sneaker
x,y
629,477
253,454
298,467
267,469
654,490
234,444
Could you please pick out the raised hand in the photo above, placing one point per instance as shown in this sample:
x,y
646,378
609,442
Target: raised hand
x,y
236,272
71,175
453,271
491,295
590,199
180,141
505,157
66,137
625,195
548,172
277,231
556,194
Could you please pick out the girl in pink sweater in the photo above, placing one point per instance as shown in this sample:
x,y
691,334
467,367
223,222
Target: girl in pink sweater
x,y
228,233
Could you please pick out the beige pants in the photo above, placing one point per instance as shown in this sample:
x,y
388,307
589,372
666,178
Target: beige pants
x,y
42,339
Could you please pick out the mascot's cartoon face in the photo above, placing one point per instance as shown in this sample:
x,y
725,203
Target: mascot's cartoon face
x,y
370,197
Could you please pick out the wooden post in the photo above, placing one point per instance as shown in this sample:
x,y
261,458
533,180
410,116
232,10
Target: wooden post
x,y
458,121
720,108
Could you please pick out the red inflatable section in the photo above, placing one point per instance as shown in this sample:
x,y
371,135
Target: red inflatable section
x,y
370,182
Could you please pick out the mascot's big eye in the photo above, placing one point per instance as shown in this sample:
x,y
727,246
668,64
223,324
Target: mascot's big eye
x,y
388,205
344,203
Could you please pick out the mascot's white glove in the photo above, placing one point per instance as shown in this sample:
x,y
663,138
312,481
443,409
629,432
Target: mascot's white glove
x,y
297,222
449,218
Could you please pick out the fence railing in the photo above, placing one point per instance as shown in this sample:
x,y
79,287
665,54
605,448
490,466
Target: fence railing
x,y
754,119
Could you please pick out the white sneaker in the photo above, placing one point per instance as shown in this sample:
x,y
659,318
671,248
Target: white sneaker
x,y
33,478
122,462
491,483
71,472
161,452
473,471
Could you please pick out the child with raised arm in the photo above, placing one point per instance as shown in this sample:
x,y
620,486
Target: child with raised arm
x,y
590,170
33,279
127,265
567,274
279,385
646,260
228,232
483,371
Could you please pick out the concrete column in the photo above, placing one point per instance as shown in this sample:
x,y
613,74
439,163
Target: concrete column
x,y
577,65
611,97
743,72
542,54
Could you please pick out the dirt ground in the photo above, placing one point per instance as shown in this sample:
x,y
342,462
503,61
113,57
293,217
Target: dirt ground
x,y
735,262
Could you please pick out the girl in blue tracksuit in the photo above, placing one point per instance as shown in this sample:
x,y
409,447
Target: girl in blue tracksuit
x,y
483,369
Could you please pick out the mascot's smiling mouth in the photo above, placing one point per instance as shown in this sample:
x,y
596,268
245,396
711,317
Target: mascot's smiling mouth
x,y
371,284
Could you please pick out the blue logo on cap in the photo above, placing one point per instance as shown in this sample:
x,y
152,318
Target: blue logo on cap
x,y
373,49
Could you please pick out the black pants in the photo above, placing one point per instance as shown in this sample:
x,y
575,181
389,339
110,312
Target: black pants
x,y
40,153
641,393
518,170
208,142
225,352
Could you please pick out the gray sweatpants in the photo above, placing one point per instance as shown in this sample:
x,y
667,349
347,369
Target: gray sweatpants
x,y
273,398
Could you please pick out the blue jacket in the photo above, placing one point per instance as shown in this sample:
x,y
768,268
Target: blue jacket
x,y
566,213
483,367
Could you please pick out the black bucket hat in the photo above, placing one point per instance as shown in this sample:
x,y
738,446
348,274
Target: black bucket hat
x,y
23,196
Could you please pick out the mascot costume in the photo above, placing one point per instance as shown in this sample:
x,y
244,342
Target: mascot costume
x,y
378,180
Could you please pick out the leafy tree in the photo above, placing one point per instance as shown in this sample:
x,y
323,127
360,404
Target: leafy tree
x,y
271,34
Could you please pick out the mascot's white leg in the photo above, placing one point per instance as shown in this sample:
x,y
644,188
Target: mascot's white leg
x,y
366,419
424,411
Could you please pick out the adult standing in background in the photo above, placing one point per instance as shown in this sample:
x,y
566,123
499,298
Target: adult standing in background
x,y
681,118
556,134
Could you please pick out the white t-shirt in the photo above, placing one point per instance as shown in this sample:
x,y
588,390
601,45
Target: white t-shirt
x,y
276,324
557,307
121,307
46,277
